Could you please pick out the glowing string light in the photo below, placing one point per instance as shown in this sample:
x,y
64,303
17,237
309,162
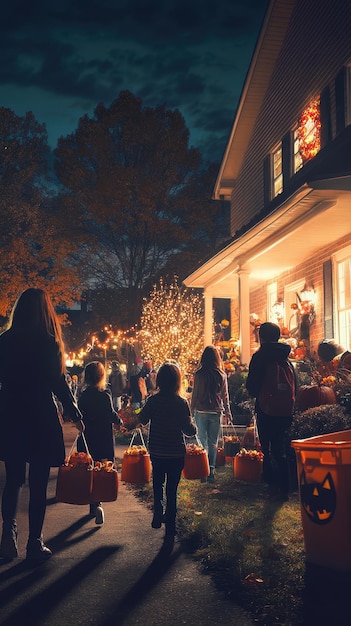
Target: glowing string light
x,y
172,325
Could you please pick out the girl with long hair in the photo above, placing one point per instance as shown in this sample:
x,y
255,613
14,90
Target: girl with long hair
x,y
32,375
209,401
169,417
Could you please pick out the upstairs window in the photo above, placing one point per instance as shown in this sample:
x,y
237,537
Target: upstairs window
x,y
297,159
277,178
298,146
308,132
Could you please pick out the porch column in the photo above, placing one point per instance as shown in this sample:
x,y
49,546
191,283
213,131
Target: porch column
x,y
208,318
244,316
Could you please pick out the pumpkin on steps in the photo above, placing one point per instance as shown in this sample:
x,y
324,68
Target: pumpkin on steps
x,y
309,396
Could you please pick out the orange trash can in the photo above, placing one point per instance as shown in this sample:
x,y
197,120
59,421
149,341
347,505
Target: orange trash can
x,y
324,476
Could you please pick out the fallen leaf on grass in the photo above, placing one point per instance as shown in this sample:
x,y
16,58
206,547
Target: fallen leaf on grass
x,y
197,512
252,580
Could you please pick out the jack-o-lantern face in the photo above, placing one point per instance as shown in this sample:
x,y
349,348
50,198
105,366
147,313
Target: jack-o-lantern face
x,y
318,499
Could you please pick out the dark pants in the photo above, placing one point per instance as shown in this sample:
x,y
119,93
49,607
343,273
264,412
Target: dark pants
x,y
166,473
272,432
38,478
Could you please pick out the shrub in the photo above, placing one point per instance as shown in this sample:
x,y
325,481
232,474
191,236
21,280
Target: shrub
x,y
320,420
237,387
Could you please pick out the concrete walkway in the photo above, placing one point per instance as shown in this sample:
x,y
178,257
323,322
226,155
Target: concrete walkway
x,y
114,574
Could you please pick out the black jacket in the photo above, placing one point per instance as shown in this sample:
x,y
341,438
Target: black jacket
x,y
98,417
169,417
267,353
30,378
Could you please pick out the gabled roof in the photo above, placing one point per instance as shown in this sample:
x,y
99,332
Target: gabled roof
x,y
268,46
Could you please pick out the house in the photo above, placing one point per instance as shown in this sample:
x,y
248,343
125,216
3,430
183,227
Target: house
x,y
287,173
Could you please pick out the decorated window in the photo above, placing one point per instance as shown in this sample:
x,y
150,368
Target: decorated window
x,y
277,159
308,132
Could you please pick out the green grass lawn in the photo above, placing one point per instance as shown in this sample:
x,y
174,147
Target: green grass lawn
x,y
253,549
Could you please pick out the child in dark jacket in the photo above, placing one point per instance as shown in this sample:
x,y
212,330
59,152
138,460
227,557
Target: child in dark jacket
x,y
169,417
272,429
95,403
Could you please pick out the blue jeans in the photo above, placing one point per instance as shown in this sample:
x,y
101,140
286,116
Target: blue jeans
x,y
208,426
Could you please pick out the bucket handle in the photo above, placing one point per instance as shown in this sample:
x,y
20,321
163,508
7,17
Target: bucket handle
x,y
137,432
231,426
195,437
74,446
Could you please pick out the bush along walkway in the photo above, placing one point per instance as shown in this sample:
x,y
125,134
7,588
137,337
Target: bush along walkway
x,y
253,548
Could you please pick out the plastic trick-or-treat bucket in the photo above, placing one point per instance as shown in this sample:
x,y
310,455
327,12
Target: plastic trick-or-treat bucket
x,y
136,462
324,475
196,463
247,468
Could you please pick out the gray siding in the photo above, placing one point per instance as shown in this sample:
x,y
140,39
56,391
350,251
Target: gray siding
x,y
317,46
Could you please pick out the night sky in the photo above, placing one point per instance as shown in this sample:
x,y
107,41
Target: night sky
x,y
59,59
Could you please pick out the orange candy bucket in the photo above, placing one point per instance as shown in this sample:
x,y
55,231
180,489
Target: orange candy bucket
x,y
136,463
248,466
196,463
220,461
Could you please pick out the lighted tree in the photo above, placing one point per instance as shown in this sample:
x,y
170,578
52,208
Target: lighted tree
x,y
172,325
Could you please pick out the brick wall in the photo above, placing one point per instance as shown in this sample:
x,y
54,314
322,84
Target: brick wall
x,y
311,271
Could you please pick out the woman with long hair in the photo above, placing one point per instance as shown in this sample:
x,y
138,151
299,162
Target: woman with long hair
x,y
210,399
32,375
169,417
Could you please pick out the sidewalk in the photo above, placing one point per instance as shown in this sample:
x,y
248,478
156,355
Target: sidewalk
x,y
114,574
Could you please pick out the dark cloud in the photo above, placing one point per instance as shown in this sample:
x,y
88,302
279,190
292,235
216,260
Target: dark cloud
x,y
60,59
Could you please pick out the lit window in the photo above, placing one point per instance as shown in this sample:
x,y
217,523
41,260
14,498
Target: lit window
x,y
298,162
308,131
344,301
277,157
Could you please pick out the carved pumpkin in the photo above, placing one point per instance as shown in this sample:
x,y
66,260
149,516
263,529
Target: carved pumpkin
x,y
309,396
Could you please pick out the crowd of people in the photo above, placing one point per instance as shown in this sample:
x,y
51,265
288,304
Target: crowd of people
x,y
48,396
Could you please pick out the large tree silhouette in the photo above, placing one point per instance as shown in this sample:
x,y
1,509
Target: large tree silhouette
x,y
125,170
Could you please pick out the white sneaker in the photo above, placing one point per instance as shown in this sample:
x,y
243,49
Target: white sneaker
x,y
100,517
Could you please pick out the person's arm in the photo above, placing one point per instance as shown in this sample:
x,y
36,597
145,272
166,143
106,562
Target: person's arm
x,y
145,413
188,426
194,395
108,411
225,399
254,377
69,403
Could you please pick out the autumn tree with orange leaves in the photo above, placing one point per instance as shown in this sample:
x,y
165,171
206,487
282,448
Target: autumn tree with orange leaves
x,y
34,250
